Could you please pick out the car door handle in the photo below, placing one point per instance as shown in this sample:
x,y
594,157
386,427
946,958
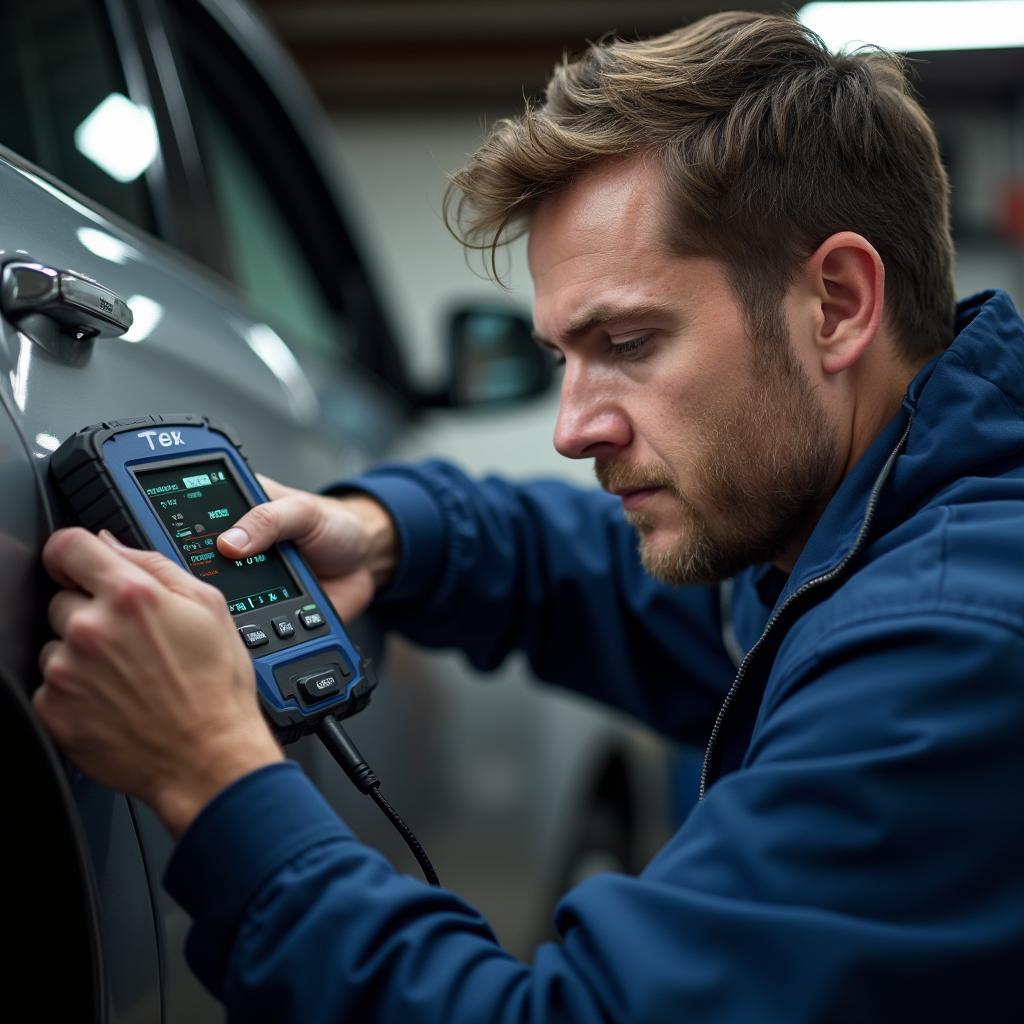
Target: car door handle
x,y
80,308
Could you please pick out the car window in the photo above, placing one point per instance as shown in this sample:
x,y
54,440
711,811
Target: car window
x,y
268,263
273,221
65,105
289,247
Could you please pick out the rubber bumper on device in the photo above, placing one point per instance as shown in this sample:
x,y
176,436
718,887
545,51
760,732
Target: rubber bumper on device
x,y
287,729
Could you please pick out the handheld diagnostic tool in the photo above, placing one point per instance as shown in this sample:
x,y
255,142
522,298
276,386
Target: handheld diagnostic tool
x,y
173,484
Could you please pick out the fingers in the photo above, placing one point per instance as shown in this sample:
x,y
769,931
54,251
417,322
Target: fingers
x,y
50,648
103,566
76,558
351,595
161,568
59,667
64,604
296,516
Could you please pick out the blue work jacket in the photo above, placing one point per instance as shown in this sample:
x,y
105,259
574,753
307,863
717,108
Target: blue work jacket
x,y
858,851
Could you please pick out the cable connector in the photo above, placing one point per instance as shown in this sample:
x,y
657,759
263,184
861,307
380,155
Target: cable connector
x,y
346,753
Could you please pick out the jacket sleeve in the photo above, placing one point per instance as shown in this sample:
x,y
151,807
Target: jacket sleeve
x,y
864,864
491,566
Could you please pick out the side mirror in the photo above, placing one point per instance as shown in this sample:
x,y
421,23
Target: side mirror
x,y
494,359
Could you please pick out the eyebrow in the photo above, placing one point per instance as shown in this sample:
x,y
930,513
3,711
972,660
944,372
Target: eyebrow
x,y
605,313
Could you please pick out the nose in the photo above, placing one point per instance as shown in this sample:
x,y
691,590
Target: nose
x,y
591,421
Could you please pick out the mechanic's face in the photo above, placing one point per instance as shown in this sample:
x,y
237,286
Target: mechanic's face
x,y
722,454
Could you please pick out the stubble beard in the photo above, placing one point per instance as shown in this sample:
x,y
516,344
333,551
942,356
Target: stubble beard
x,y
767,467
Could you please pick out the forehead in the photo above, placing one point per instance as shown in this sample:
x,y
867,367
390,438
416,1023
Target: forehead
x,y
600,243
610,210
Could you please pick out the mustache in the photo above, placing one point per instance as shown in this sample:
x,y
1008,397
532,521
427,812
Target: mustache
x,y
622,476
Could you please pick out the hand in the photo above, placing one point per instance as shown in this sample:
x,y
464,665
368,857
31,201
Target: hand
x,y
148,687
350,542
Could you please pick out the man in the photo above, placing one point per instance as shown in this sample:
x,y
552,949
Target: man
x,y
741,253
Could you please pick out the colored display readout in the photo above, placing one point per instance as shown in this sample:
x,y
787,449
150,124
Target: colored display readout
x,y
196,503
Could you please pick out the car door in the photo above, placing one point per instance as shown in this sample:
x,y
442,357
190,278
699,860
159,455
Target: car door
x,y
49,900
195,346
196,355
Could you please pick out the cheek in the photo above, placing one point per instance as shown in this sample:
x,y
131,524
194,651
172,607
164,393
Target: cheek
x,y
703,383
674,425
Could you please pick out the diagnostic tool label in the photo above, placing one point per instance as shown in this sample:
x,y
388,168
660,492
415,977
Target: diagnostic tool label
x,y
195,503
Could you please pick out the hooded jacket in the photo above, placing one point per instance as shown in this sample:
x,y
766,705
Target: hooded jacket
x,y
857,853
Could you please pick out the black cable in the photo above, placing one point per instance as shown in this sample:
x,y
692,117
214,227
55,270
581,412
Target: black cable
x,y
407,834
345,752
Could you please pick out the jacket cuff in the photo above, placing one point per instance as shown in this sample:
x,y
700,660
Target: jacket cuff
x,y
236,844
421,531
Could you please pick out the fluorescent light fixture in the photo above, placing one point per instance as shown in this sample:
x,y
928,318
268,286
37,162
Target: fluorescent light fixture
x,y
105,245
119,137
146,313
918,25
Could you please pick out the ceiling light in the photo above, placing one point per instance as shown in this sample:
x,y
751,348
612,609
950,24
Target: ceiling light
x,y
918,25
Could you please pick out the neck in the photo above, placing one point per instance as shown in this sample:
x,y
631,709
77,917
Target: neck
x,y
873,408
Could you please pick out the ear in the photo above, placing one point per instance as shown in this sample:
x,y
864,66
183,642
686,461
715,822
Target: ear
x,y
846,281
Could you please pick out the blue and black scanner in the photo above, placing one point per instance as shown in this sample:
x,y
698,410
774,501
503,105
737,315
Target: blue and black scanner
x,y
173,484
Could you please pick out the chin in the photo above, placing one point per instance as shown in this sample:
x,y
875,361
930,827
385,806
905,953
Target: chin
x,y
685,558
666,558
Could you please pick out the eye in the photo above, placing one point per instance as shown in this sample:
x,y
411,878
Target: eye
x,y
628,349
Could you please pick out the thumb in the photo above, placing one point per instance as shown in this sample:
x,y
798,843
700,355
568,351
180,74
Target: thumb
x,y
273,488
160,567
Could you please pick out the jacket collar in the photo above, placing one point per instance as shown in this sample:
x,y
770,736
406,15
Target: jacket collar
x,y
964,408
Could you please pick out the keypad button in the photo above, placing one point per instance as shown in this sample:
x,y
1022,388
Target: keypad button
x,y
312,619
320,686
254,636
283,627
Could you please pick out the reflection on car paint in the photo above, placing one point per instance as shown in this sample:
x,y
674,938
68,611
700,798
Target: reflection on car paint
x,y
67,200
106,246
19,375
119,137
278,358
147,313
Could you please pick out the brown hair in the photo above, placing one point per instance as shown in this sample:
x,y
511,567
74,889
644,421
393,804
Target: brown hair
x,y
768,143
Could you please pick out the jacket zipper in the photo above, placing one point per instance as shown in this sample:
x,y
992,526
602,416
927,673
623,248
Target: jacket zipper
x,y
827,577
